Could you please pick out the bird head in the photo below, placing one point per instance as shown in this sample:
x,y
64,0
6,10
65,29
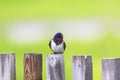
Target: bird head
x,y
58,38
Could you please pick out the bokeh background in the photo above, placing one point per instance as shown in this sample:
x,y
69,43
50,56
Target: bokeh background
x,y
90,27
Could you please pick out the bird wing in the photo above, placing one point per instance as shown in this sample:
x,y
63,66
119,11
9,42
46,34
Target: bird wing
x,y
50,44
64,45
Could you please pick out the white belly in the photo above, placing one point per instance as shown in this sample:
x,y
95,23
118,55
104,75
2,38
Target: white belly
x,y
57,48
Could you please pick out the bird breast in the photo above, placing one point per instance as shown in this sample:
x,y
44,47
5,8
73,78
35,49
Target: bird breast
x,y
57,48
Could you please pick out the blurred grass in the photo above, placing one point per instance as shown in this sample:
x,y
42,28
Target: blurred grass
x,y
10,10
38,9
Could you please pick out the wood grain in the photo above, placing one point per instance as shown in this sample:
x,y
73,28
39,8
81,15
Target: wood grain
x,y
7,67
82,68
55,67
32,66
111,69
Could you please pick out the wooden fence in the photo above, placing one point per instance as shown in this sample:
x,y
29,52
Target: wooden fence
x,y
81,67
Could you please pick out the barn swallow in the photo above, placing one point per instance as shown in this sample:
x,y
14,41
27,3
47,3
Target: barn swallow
x,y
57,44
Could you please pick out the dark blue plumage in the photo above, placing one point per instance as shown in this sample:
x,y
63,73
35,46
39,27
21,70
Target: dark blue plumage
x,y
57,44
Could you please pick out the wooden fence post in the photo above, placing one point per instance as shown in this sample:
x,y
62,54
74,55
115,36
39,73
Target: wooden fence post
x,y
82,68
7,67
55,67
32,66
111,69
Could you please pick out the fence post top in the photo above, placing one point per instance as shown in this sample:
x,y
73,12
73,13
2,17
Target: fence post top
x,y
55,54
117,58
10,53
32,53
82,56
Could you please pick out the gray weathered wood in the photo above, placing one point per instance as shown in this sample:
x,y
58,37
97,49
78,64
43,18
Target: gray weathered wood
x,y
7,67
55,67
82,68
111,69
32,66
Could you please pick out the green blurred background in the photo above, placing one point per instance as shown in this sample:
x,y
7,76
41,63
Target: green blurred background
x,y
90,27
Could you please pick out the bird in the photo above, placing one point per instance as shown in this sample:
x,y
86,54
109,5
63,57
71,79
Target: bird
x,y
57,44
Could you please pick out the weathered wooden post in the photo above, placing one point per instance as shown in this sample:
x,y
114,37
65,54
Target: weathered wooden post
x,y
7,67
82,68
111,69
55,67
32,66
